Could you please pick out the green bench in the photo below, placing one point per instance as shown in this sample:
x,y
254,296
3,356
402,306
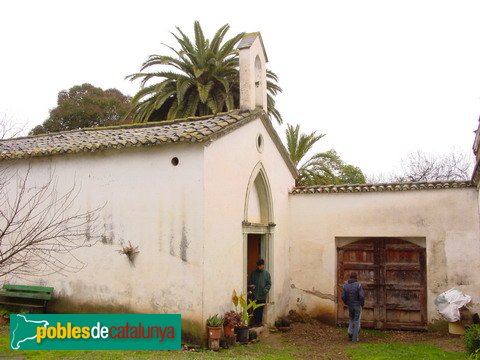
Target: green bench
x,y
26,296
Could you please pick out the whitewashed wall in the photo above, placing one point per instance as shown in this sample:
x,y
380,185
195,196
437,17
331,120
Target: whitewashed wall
x,y
448,220
229,163
185,219
150,203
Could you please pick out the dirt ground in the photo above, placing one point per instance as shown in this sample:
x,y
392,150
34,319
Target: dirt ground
x,y
321,341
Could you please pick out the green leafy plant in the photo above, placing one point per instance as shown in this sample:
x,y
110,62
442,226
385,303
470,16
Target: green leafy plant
x,y
4,313
472,339
235,299
215,321
475,355
247,307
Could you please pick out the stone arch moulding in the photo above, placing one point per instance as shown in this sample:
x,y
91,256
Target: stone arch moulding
x,y
259,184
259,194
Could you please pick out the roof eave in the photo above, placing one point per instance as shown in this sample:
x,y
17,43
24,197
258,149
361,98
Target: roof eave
x,y
382,187
278,143
245,43
262,115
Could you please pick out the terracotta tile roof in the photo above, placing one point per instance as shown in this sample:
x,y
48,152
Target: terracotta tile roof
x,y
197,130
248,39
388,187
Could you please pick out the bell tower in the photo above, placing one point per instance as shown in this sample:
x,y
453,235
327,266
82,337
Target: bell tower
x,y
253,73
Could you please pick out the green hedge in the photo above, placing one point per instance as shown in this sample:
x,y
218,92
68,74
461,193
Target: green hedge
x,y
472,339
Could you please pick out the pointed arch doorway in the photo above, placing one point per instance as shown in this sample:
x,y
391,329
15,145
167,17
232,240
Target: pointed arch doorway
x,y
258,225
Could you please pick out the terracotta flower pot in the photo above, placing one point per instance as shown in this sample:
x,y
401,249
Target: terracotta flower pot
x,y
214,333
228,330
3,320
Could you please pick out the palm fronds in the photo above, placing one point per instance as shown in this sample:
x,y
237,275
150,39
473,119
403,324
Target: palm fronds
x,y
202,79
322,168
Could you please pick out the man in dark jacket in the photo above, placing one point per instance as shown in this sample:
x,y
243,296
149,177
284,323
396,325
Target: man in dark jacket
x,y
260,284
354,297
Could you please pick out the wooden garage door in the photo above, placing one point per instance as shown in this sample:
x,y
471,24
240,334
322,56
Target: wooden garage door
x,y
392,272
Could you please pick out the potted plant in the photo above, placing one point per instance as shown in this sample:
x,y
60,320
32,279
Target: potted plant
x,y
214,324
247,306
282,324
231,320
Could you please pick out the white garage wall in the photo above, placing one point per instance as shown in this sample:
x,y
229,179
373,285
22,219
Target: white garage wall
x,y
448,219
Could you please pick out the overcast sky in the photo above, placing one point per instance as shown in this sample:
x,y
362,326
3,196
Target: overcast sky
x,y
379,78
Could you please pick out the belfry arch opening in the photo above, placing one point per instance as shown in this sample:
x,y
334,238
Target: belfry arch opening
x,y
259,86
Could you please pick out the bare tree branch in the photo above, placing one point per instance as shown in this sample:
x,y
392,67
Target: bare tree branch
x,y
421,167
40,229
9,129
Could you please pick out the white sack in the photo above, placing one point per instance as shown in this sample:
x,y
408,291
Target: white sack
x,y
450,302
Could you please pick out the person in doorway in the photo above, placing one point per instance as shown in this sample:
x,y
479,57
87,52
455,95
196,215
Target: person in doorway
x,y
260,284
354,297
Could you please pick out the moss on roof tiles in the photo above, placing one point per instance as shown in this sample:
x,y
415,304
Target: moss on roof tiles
x,y
386,187
192,129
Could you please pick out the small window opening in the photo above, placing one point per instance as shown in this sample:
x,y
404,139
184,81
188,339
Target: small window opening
x,y
259,143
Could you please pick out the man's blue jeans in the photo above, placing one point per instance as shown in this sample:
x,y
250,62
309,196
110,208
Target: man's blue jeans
x,y
354,313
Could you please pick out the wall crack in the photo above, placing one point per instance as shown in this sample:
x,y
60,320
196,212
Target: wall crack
x,y
316,293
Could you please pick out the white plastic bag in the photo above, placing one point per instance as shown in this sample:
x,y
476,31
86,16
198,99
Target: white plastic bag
x,y
450,302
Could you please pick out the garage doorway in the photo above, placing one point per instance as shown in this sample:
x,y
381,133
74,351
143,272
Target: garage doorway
x,y
393,273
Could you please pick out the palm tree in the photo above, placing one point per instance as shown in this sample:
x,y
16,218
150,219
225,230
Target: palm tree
x,y
202,79
322,168
298,145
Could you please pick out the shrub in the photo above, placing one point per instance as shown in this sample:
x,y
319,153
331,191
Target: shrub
x,y
232,318
475,355
472,339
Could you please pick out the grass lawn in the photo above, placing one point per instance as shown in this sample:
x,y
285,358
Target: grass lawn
x,y
256,351
260,350
417,351
276,347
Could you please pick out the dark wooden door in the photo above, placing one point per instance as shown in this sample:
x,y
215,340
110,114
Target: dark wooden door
x,y
405,285
253,251
359,257
392,272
